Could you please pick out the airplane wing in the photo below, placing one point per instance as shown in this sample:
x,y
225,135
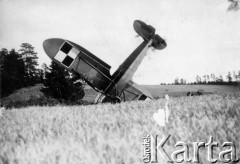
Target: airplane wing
x,y
133,91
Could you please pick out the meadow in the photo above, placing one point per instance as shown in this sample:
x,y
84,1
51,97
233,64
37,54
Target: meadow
x,y
112,133
159,91
181,90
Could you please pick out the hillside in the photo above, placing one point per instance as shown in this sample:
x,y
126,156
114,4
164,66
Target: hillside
x,y
33,92
24,94
107,133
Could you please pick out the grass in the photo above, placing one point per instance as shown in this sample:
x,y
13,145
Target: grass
x,y
107,133
24,94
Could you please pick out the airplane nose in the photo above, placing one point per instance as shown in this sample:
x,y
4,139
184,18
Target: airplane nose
x,y
51,46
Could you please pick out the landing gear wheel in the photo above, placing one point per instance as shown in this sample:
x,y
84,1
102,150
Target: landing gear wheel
x,y
117,100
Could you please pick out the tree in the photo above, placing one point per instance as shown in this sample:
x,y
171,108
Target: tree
x,y
205,79
213,77
3,54
12,71
208,77
62,85
45,69
238,76
198,80
183,81
235,76
29,56
40,75
176,81
219,79
229,77
234,5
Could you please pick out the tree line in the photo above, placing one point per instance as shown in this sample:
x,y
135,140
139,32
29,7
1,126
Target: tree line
x,y
231,79
20,69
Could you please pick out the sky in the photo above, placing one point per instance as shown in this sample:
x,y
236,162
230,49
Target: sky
x,y
202,36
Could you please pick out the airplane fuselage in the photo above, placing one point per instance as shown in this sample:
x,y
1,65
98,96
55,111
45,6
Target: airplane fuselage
x,y
78,60
95,71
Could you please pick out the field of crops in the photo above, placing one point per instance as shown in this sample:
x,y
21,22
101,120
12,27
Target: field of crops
x,y
108,133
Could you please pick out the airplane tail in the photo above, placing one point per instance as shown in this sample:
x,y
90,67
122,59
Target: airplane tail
x,y
126,70
147,32
133,60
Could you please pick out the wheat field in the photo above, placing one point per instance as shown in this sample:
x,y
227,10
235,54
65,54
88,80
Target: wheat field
x,y
112,133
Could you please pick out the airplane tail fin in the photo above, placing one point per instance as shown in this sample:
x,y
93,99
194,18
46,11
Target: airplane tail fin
x,y
147,32
127,69
158,42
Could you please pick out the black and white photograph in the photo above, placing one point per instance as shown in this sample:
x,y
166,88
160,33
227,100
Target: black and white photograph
x,y
119,81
